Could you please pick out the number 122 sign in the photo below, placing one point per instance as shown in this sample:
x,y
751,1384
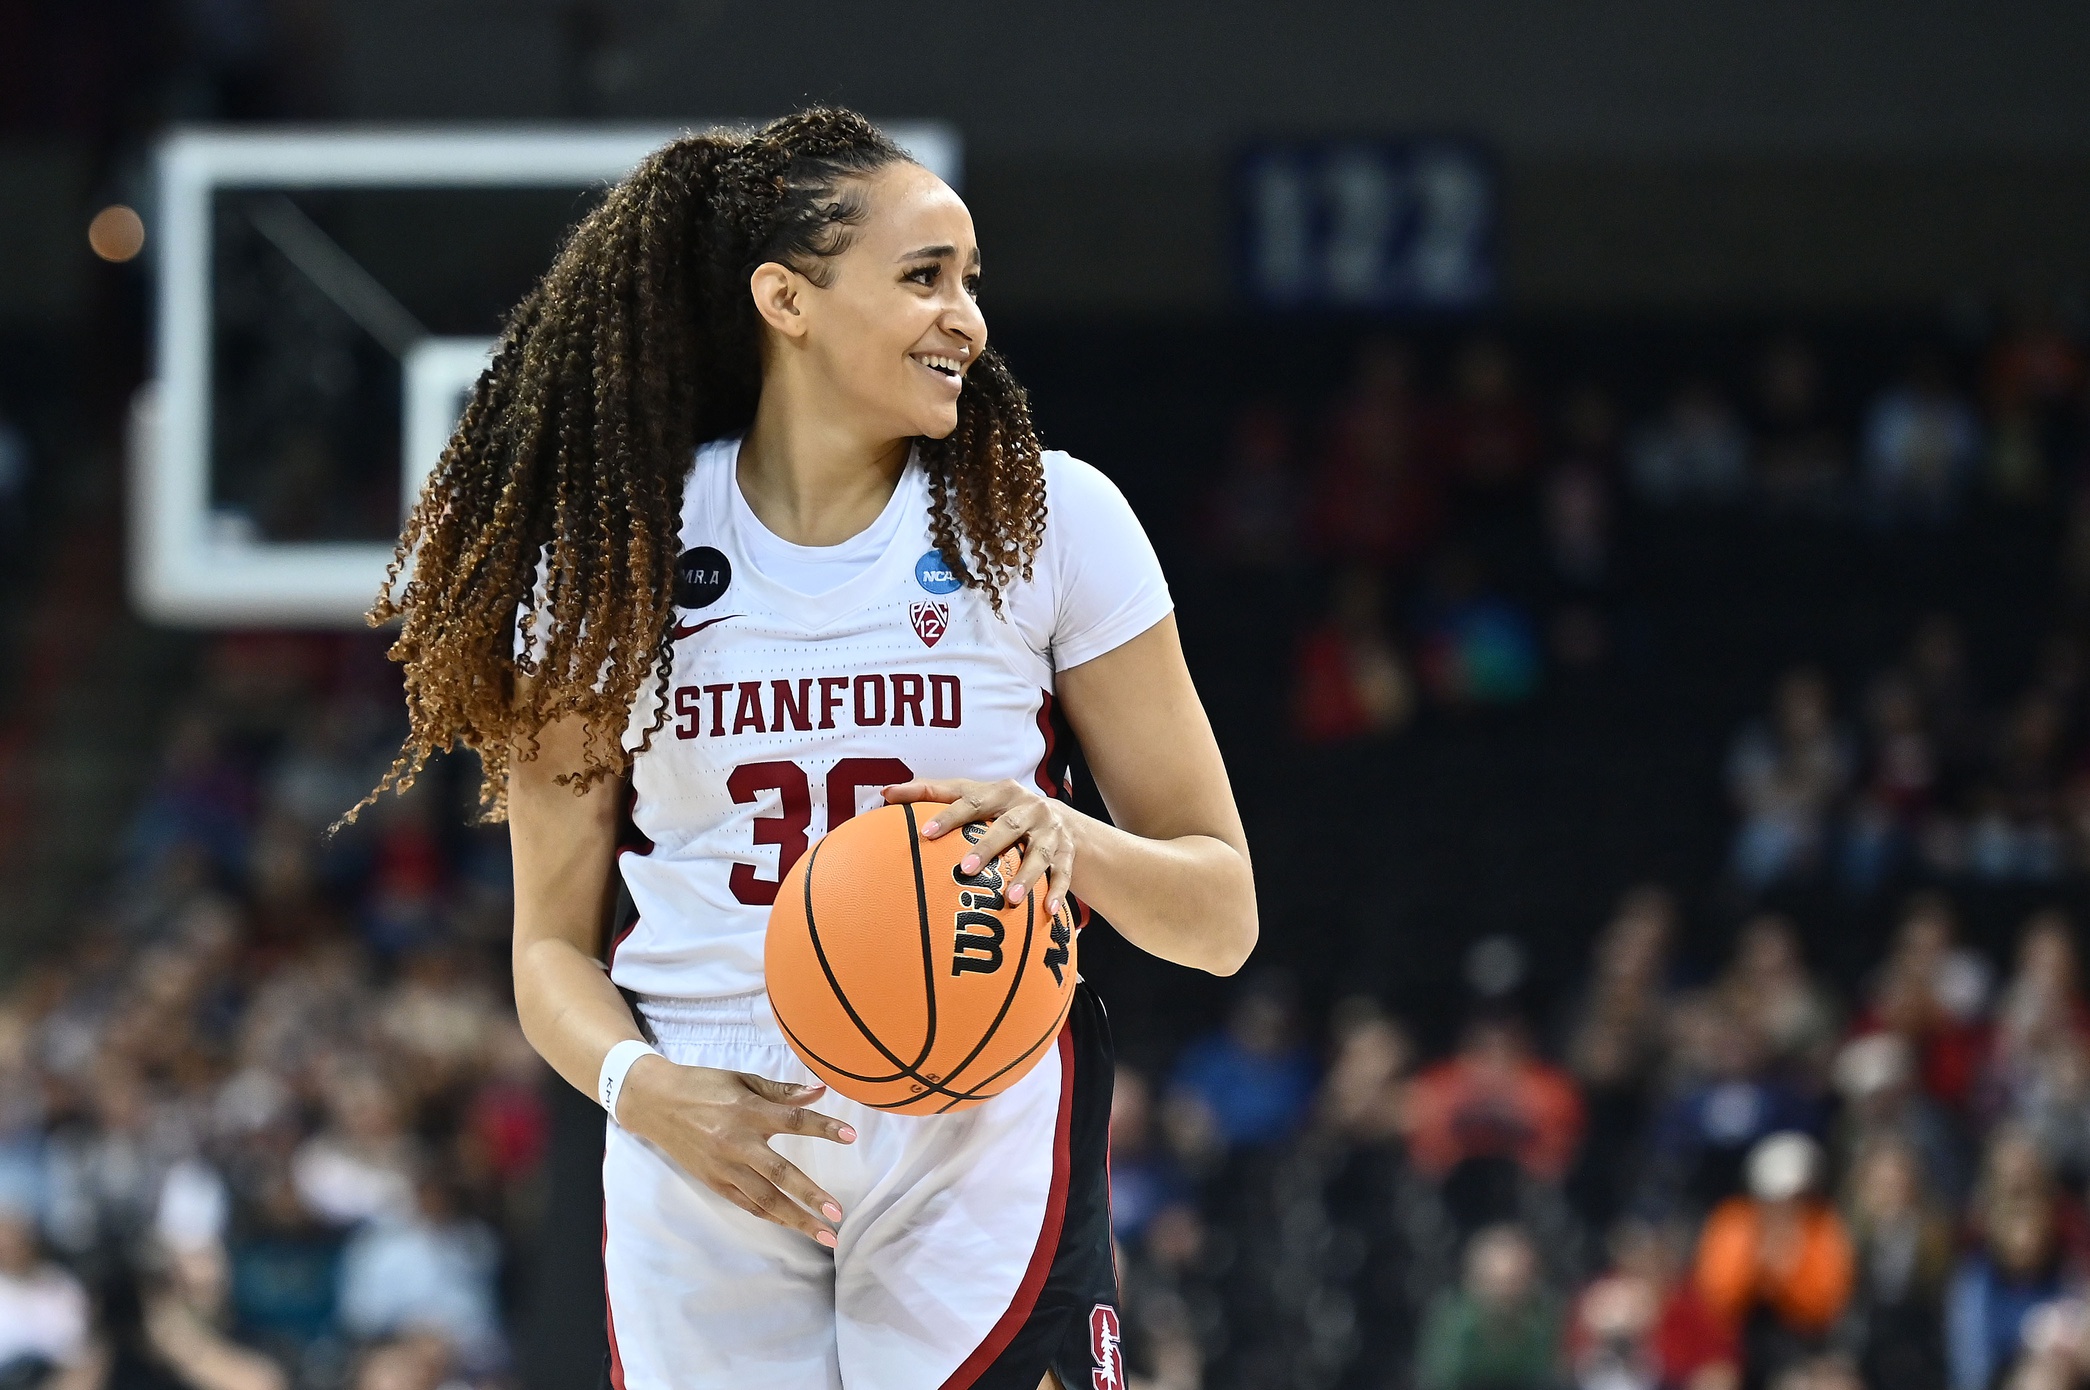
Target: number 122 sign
x,y
1368,224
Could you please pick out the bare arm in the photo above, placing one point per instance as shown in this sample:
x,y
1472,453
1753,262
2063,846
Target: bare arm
x,y
716,1124
564,849
1173,875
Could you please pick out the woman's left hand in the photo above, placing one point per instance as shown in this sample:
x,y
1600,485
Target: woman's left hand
x,y
1048,829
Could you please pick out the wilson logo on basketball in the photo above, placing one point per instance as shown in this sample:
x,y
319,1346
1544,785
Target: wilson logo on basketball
x,y
978,933
930,620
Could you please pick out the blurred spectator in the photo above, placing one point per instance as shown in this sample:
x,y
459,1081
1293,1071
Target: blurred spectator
x,y
1145,1179
2039,1069
1160,1235
1494,1100
1253,514
185,1315
1769,988
1922,440
1364,1098
1801,460
1898,780
403,908
1578,510
1642,1326
1933,992
1882,1105
1695,451
1476,646
360,1166
1500,1329
1485,434
1375,501
1777,1264
432,1270
507,1118
1617,1042
1348,681
438,1018
1580,525
43,1308
1936,670
103,1177
2014,1269
1786,774
1729,1100
1904,1251
1255,1078
285,1271
200,801
1619,1028
2013,832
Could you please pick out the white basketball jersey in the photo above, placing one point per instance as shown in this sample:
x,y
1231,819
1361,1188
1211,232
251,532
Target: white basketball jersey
x,y
787,712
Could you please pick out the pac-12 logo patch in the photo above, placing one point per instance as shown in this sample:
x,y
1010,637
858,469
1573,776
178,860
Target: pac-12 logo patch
x,y
930,620
701,577
1104,1346
935,574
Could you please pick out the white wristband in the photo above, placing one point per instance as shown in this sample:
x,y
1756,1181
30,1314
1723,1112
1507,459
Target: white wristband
x,y
614,1066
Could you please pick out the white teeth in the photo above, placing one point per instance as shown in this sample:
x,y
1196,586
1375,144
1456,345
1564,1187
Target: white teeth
x,y
946,365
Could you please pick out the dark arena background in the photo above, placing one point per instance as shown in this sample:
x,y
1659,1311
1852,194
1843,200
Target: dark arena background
x,y
1624,474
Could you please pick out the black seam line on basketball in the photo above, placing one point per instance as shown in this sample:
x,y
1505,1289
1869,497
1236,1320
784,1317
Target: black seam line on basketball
x,y
921,904
842,998
1030,913
980,1092
1051,1033
805,1051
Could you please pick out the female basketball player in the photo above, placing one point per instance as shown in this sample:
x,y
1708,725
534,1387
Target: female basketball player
x,y
870,582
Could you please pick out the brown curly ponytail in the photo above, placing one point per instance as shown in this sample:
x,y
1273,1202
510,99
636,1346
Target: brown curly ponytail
x,y
561,491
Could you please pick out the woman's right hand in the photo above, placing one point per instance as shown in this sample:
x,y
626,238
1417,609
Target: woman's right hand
x,y
717,1125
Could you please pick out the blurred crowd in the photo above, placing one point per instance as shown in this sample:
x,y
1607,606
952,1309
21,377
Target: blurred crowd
x,y
1746,1180
267,1121
1465,531
1924,781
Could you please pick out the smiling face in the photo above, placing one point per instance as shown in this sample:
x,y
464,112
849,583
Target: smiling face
x,y
893,322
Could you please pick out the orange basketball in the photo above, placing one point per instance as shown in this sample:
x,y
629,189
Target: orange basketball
x,y
904,984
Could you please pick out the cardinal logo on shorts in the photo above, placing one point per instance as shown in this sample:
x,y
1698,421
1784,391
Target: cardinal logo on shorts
x,y
929,619
1103,1345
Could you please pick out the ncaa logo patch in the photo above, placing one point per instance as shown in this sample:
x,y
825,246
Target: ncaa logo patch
x,y
930,620
1104,1347
935,574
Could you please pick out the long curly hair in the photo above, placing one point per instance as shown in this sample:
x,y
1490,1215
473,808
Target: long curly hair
x,y
545,543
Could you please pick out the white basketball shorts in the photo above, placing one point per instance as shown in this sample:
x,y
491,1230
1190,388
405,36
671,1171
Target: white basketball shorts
x,y
974,1253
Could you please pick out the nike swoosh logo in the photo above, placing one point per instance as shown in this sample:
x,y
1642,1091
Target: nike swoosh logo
x,y
683,630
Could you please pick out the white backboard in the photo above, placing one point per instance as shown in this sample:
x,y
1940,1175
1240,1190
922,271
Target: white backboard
x,y
191,567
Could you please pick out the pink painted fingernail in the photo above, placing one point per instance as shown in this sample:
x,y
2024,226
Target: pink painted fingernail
x,y
930,829
1015,892
831,1211
826,1238
970,864
846,1134
1052,909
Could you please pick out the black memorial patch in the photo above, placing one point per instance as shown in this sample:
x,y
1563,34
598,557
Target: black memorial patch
x,y
701,577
